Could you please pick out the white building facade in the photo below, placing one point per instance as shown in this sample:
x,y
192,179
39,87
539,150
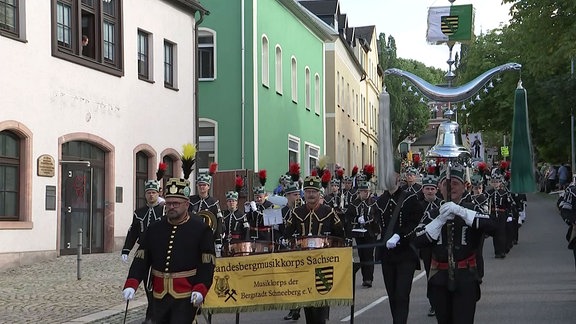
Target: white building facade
x,y
95,94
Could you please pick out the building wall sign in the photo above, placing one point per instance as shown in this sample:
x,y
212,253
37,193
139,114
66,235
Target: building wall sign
x,y
46,166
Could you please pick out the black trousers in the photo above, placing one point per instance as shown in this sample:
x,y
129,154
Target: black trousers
x,y
150,308
499,238
398,280
366,255
457,307
426,256
169,310
316,315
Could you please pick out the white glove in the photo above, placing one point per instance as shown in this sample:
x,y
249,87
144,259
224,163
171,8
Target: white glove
x,y
253,206
128,293
196,299
246,224
284,242
466,214
125,258
361,220
393,241
509,219
434,228
218,247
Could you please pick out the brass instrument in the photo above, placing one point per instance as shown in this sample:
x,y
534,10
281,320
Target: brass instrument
x,y
209,218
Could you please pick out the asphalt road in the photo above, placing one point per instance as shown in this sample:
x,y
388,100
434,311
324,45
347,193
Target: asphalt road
x,y
534,284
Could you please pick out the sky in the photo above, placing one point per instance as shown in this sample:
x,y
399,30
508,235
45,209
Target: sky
x,y
406,21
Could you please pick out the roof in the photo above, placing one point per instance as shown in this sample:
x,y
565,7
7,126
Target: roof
x,y
321,7
192,5
365,33
427,139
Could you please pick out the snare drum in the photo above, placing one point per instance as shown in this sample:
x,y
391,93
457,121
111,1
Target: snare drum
x,y
315,242
249,247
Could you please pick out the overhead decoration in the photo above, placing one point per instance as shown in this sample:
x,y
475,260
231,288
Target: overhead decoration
x,y
450,23
456,94
522,163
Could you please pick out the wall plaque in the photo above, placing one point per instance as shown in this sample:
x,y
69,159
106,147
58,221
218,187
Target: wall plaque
x,y
46,166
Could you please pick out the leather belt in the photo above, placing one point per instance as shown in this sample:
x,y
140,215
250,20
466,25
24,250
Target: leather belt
x,y
260,229
469,262
181,274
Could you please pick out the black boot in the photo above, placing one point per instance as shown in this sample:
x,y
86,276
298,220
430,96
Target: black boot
x,y
293,315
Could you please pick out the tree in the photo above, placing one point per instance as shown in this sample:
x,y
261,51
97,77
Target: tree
x,y
541,37
409,116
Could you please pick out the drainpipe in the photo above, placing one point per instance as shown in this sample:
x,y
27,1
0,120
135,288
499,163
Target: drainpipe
x,y
196,73
243,86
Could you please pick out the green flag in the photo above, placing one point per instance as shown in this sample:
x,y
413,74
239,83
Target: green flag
x,y
453,23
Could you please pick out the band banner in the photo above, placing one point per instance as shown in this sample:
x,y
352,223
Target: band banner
x,y
285,280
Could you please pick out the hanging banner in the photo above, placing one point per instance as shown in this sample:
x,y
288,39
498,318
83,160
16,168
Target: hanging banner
x,y
453,23
474,143
284,280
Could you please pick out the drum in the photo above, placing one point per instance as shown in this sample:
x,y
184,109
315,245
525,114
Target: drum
x,y
315,242
247,248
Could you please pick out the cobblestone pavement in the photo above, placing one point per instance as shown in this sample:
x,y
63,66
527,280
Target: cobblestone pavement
x,y
49,292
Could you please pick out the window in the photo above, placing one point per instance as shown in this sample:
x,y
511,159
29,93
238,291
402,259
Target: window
x,y
312,156
265,62
206,54
10,16
317,94
170,167
206,145
9,176
144,50
294,76
278,70
141,177
293,150
362,109
169,65
338,95
307,87
88,32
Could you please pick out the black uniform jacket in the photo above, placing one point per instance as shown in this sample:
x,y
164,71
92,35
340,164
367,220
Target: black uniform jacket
x,y
182,258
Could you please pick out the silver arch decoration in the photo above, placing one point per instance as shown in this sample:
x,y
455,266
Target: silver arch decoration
x,y
464,92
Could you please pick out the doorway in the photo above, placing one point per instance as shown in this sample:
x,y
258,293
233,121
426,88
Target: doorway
x,y
82,198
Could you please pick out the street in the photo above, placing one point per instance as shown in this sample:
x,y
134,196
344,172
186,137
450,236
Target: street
x,y
535,283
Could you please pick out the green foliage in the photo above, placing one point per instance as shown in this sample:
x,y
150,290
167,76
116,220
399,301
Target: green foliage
x,y
541,36
409,117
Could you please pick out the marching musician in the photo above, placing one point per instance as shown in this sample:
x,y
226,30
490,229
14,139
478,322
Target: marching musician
x,y
430,201
349,192
292,194
362,226
480,200
500,204
453,231
333,199
236,226
144,217
398,213
411,185
179,249
255,214
203,201
310,219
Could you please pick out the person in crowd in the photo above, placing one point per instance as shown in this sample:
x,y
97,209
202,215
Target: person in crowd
x,y
202,201
314,218
179,250
362,226
453,231
142,218
431,201
398,212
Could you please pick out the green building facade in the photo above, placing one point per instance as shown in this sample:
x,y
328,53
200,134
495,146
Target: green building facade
x,y
261,92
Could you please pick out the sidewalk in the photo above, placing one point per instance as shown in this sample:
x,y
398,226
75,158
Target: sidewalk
x,y
49,292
